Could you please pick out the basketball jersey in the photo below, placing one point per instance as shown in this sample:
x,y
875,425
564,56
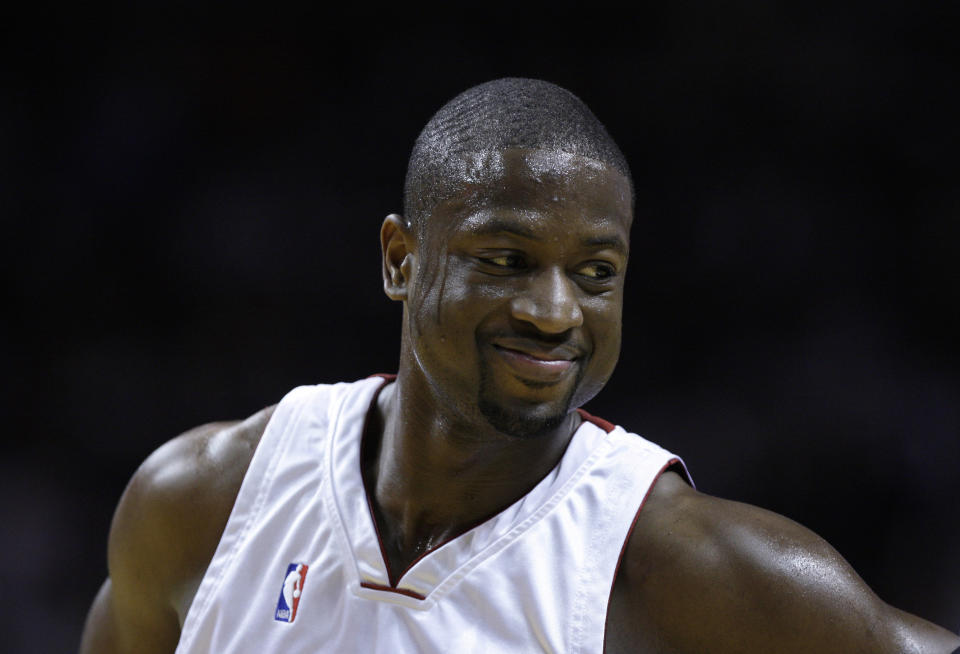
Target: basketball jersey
x,y
300,570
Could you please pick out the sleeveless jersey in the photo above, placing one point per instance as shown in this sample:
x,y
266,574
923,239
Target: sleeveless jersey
x,y
299,568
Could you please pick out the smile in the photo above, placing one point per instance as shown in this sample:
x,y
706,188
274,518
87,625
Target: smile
x,y
546,366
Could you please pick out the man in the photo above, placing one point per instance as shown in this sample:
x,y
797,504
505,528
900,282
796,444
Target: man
x,y
467,505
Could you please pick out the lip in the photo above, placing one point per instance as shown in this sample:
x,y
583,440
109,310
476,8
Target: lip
x,y
535,362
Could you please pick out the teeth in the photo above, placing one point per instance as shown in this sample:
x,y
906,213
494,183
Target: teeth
x,y
538,357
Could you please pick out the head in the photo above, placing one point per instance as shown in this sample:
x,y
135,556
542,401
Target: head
x,y
505,113
511,259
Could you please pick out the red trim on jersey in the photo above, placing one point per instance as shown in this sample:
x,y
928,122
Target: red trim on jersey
x,y
623,549
390,589
363,479
603,424
599,422
394,580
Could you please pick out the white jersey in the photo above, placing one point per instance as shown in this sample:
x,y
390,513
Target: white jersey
x,y
300,570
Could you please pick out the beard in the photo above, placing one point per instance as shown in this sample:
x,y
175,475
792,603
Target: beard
x,y
524,423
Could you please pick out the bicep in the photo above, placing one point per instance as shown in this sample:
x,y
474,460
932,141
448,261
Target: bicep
x,y
796,591
133,610
110,629
99,636
723,576
133,613
163,535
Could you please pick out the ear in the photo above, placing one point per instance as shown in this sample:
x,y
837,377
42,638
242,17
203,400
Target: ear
x,y
398,244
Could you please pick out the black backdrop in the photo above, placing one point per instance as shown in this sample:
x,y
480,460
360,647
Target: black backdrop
x,y
191,201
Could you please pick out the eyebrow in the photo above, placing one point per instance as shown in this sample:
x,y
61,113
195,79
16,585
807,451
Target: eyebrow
x,y
613,242
500,226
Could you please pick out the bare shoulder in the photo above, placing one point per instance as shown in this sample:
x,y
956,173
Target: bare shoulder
x,y
164,532
702,574
176,506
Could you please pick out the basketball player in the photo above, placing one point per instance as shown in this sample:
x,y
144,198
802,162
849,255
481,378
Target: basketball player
x,y
467,504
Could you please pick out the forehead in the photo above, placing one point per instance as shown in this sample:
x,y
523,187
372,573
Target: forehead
x,y
546,189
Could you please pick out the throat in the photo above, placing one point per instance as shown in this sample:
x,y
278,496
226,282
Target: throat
x,y
403,546
425,487
411,520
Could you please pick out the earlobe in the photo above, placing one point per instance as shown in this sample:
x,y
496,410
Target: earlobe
x,y
396,243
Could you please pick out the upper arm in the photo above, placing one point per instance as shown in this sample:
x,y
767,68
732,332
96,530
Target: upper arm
x,y
709,575
164,533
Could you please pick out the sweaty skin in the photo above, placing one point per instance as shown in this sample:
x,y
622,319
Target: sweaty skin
x,y
512,299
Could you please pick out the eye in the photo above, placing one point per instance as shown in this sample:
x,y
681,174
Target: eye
x,y
598,271
506,261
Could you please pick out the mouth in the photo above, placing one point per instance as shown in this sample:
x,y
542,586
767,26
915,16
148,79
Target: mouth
x,y
533,361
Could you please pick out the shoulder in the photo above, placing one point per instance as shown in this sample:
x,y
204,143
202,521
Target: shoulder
x,y
704,574
173,512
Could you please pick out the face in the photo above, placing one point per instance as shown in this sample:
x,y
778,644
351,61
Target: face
x,y
514,289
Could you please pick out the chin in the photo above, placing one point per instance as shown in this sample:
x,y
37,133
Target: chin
x,y
524,409
525,416
529,423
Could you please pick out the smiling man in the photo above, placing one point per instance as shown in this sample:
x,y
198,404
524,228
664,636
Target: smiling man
x,y
467,504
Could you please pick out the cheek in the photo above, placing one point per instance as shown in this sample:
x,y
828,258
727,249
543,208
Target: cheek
x,y
443,299
428,290
603,318
605,315
606,311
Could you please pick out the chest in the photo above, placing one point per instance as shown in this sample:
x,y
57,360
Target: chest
x,y
300,567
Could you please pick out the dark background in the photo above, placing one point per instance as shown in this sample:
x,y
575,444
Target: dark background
x,y
191,201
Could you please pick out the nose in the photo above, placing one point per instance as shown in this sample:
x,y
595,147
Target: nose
x,y
549,302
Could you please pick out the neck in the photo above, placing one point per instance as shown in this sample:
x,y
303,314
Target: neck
x,y
432,475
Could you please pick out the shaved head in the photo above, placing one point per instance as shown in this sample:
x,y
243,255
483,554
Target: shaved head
x,y
505,113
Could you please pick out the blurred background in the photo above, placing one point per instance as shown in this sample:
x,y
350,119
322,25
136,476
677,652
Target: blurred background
x,y
191,199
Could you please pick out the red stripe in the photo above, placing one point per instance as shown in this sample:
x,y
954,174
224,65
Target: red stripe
x,y
626,541
599,422
388,589
392,577
363,479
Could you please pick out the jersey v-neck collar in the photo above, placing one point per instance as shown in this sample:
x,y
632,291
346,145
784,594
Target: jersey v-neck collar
x,y
429,576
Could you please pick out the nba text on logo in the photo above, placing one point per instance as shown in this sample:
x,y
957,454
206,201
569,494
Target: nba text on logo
x,y
290,592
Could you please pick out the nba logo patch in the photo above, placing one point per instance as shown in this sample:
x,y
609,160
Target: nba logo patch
x,y
290,592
